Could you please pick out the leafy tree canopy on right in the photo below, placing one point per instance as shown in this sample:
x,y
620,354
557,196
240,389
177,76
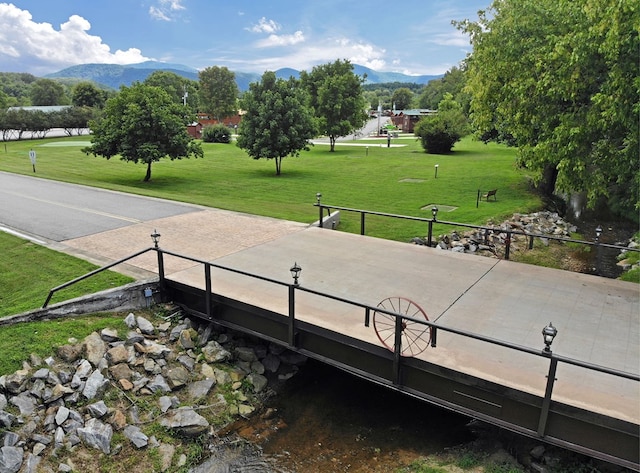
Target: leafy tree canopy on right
x,y
561,80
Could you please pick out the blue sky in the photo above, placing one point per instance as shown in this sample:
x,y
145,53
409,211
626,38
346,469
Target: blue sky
x,y
413,37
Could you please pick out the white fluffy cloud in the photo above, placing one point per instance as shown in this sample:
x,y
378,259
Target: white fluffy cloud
x,y
281,40
40,48
270,27
454,38
306,56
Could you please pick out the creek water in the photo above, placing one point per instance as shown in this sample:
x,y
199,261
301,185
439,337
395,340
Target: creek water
x,y
603,261
324,420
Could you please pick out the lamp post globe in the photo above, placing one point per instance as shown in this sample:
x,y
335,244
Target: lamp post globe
x,y
548,334
295,273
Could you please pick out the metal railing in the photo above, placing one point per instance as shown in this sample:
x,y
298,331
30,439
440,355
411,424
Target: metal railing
x,y
400,322
400,319
92,273
486,230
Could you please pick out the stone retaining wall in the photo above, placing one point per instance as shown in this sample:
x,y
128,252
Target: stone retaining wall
x,y
120,299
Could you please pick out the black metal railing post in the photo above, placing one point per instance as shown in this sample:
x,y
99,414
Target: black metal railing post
x,y
397,350
160,268
597,246
507,245
292,314
546,402
362,214
207,286
320,209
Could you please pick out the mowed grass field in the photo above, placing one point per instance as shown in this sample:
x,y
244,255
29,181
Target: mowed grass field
x,y
399,180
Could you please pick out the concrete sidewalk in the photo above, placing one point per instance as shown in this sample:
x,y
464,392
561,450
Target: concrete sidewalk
x,y
203,233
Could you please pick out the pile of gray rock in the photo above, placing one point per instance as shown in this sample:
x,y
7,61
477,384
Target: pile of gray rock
x,y
52,406
492,241
626,263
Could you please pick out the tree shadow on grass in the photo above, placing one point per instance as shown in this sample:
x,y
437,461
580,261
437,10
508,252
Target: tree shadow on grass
x,y
286,174
137,182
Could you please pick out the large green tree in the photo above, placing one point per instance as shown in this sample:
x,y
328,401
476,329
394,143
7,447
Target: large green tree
x,y
402,98
218,92
87,94
180,89
336,99
47,92
452,82
561,79
277,123
143,124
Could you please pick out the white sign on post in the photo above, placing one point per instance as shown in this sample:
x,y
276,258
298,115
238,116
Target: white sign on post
x,y
32,157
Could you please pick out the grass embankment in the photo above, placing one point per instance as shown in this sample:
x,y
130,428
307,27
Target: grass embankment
x,y
393,180
43,338
28,271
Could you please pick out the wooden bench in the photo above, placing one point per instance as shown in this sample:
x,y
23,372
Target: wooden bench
x,y
490,194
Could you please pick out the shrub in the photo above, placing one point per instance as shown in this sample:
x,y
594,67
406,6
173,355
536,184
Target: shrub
x,y
438,133
216,134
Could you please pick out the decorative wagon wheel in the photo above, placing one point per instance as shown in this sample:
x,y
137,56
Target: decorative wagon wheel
x,y
415,337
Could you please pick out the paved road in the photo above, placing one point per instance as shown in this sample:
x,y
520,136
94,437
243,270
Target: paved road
x,y
56,211
104,226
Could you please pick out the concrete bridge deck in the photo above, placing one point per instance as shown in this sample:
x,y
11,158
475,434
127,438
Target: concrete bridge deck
x,y
598,319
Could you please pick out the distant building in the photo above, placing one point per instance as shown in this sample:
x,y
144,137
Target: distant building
x,y
42,108
406,120
195,129
232,121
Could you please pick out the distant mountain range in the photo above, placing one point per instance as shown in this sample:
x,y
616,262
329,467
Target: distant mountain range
x,y
114,75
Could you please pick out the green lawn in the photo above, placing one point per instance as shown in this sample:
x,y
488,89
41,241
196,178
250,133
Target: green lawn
x,y
393,180
28,271
44,337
